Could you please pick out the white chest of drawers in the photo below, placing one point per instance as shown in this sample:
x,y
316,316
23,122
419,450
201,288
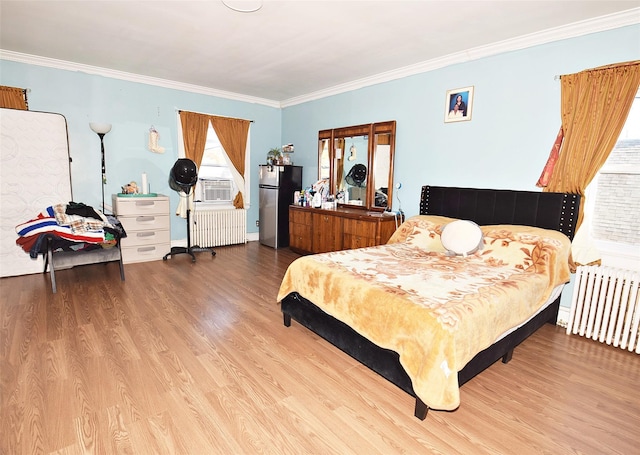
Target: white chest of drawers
x,y
147,223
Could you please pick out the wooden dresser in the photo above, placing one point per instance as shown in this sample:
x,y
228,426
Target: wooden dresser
x,y
321,230
147,223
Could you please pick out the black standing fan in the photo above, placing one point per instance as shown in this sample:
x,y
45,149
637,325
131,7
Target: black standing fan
x,y
183,177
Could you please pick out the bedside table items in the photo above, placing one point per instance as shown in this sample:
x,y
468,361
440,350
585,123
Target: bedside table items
x,y
274,157
145,184
287,150
132,188
316,200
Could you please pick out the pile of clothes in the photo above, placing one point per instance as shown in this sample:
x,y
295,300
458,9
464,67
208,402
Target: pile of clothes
x,y
69,227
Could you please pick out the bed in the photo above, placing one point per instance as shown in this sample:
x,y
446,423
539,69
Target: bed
x,y
431,348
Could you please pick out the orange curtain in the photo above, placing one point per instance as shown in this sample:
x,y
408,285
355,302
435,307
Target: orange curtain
x,y
595,104
233,134
13,97
194,135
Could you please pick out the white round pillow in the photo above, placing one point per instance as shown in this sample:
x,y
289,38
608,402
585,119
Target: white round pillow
x,y
461,237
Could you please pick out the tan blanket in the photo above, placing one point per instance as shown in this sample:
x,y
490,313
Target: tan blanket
x,y
434,310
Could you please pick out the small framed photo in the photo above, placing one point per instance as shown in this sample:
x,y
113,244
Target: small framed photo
x,y
458,106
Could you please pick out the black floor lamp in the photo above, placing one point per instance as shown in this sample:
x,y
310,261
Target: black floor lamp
x,y
183,178
101,129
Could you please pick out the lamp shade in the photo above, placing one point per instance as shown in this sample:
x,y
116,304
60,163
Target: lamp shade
x,y
100,128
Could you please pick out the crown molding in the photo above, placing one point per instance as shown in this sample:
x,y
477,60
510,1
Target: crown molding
x,y
600,24
131,77
609,22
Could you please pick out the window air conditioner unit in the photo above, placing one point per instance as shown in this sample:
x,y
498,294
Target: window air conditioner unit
x,y
216,190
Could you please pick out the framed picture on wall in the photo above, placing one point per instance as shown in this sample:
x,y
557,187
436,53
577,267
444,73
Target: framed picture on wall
x,y
458,106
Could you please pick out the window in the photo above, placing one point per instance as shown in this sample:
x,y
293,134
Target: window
x,y
216,172
215,180
613,198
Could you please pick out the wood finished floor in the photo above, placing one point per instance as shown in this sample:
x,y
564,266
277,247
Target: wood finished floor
x,y
186,358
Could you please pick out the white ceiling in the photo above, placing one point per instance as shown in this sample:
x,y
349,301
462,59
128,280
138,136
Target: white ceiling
x,y
289,49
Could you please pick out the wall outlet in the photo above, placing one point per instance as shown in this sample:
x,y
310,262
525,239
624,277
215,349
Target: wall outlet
x,y
257,223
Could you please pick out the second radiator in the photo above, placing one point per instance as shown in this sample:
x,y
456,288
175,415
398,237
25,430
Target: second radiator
x,y
210,228
606,306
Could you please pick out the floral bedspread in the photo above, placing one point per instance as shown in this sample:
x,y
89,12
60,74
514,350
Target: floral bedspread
x,y
435,310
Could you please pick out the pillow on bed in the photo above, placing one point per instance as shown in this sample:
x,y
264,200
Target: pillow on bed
x,y
461,237
520,246
422,231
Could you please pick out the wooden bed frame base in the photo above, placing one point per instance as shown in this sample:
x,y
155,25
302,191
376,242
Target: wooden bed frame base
x,y
556,211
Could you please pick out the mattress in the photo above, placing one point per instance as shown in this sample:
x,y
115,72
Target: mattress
x,y
34,156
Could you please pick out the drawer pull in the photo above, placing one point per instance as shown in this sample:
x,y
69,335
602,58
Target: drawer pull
x,y
145,234
145,203
145,219
146,249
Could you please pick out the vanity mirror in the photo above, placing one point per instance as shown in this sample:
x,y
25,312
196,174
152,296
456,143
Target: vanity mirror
x,y
358,162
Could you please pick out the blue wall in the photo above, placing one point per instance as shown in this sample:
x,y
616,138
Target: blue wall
x,y
132,108
515,118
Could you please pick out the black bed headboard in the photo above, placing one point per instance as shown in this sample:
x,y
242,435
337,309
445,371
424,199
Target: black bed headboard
x,y
558,211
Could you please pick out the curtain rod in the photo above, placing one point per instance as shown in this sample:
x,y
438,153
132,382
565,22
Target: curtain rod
x,y
605,67
180,110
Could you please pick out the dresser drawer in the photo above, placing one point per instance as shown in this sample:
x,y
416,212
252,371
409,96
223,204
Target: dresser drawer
x,y
144,253
140,206
300,230
299,217
362,228
149,237
145,222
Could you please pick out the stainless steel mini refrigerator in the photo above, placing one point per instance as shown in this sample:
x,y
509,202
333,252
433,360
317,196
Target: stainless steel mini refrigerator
x,y
277,186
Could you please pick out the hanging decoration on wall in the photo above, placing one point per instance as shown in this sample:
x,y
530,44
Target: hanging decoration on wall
x,y
352,151
458,105
153,141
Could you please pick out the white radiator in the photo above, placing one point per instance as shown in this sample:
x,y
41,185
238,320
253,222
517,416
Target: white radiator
x,y
219,227
605,306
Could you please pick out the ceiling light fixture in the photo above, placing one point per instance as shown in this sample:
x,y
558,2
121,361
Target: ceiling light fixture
x,y
243,6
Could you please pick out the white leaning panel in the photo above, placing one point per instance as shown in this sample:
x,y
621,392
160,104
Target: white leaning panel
x,y
34,174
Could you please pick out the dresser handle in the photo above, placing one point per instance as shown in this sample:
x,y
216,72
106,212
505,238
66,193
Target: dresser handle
x,y
144,203
145,219
145,249
145,234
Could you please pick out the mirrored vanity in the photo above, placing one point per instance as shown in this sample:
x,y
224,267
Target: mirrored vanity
x,y
357,162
